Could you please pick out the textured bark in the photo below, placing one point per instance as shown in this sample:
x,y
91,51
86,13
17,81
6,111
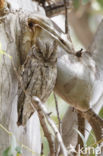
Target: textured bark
x,y
96,123
81,128
9,34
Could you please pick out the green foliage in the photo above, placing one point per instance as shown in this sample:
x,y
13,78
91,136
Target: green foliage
x,y
62,106
91,138
76,4
85,1
18,149
7,152
45,146
100,3
13,149
101,112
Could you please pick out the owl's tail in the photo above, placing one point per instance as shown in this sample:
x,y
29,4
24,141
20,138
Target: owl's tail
x,y
25,111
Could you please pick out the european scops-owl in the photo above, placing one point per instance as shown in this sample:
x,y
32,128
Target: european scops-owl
x,y
37,78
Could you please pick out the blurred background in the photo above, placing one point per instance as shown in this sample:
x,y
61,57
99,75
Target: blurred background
x,y
83,18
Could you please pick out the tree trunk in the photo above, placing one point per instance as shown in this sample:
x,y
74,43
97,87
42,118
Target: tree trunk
x,y
30,134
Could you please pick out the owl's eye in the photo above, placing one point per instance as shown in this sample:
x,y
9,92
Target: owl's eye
x,y
30,24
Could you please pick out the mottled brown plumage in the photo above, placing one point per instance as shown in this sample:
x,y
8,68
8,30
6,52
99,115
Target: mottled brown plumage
x,y
37,76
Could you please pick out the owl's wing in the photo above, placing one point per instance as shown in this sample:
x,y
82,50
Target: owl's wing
x,y
26,74
97,50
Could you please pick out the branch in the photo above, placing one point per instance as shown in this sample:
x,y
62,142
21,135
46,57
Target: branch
x,y
96,122
81,128
66,17
58,115
78,24
55,9
41,108
46,131
59,123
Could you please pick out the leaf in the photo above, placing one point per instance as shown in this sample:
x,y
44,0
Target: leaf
x,y
13,149
91,139
101,112
18,150
7,152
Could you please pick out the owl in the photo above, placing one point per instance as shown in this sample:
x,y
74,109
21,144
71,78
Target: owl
x,y
37,78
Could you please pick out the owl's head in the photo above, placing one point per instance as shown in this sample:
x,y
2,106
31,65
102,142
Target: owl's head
x,y
46,51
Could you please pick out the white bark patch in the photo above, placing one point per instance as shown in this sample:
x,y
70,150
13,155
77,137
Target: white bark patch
x,y
9,36
26,6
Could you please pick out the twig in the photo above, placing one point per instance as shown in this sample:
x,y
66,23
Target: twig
x,y
66,17
8,132
42,147
65,44
39,106
58,115
59,123
81,129
55,9
46,131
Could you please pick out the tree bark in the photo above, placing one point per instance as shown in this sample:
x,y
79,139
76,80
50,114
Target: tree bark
x,y
9,34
